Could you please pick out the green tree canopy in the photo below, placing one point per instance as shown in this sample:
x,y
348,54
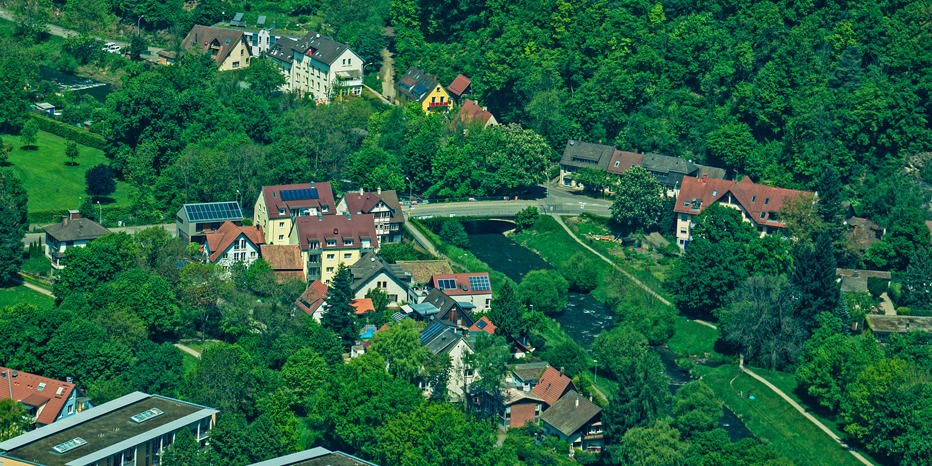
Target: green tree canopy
x,y
401,349
339,314
544,291
13,224
638,199
696,409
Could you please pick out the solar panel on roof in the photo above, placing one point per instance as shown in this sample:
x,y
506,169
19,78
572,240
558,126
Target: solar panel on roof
x,y
446,283
298,194
419,89
238,17
481,324
479,283
213,212
431,331
261,20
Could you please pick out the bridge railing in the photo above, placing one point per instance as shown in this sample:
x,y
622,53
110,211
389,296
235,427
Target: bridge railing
x,y
458,199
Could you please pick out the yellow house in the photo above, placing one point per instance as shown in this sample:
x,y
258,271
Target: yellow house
x,y
228,47
278,206
328,240
418,86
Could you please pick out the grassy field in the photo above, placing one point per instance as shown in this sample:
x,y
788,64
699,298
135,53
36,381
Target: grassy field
x,y
11,294
773,420
49,182
37,265
694,339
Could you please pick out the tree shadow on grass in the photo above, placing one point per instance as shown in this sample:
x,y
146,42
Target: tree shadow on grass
x,y
72,164
104,200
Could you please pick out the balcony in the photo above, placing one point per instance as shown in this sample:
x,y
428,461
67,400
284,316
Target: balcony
x,y
439,104
595,436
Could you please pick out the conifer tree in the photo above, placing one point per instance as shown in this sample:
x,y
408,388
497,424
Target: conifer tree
x,y
830,198
508,311
917,283
641,399
842,313
815,279
338,315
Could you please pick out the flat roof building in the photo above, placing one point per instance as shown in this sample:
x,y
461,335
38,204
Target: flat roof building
x,y
131,430
318,456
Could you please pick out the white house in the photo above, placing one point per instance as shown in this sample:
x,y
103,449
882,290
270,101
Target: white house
x,y
442,339
318,65
72,231
231,244
371,271
471,288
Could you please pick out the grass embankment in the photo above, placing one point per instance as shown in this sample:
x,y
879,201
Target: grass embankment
x,y
694,339
11,293
50,181
639,262
460,259
775,421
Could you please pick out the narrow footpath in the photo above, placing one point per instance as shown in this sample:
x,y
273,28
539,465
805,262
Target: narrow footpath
x,y
802,411
189,350
33,287
635,280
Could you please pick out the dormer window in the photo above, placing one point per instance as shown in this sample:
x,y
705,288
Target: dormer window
x,y
347,242
763,215
331,242
281,211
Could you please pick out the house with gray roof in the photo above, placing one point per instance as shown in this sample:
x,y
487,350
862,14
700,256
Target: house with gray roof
x,y
578,155
319,66
670,171
131,430
73,231
441,338
577,420
371,271
318,456
194,221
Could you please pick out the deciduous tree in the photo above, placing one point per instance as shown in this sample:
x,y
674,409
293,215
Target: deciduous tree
x,y
100,181
27,137
13,223
696,409
656,445
435,434
544,291
12,419
641,399
402,350
638,199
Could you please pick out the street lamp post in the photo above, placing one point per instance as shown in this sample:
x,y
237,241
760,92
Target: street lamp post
x,y
100,214
595,372
137,23
410,188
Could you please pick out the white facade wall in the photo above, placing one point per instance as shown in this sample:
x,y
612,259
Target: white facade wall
x,y
242,250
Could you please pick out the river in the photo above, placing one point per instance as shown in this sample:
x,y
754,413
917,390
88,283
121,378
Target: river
x,y
80,86
583,317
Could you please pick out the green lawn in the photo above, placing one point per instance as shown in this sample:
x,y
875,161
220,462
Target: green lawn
x,y
694,339
774,421
49,182
198,346
187,361
11,294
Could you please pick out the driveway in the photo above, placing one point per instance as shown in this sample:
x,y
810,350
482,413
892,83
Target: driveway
x,y
387,75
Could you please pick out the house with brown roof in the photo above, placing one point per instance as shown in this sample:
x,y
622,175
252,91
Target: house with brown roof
x,y
759,204
422,271
508,406
278,206
329,240
384,208
884,326
471,112
577,420
231,244
856,279
45,400
468,288
417,86
318,65
460,87
73,231
553,385
312,300
438,306
229,48
285,260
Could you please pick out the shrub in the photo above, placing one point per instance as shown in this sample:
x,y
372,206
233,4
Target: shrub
x,y
453,233
877,286
903,311
71,133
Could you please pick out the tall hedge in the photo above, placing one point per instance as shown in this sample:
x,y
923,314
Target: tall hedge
x,y
877,286
71,133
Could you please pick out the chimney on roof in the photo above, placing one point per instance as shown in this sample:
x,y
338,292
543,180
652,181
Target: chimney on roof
x,y
705,178
561,370
577,400
349,216
312,184
64,220
380,191
360,191
69,379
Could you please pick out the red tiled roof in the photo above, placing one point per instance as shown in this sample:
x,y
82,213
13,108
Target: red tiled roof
x,y
363,306
488,326
624,161
218,241
284,276
471,111
365,202
552,386
26,390
283,257
462,280
336,227
459,85
313,297
754,198
274,202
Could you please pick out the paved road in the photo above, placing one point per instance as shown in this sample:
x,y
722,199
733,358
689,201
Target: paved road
x,y
387,75
802,411
421,239
63,32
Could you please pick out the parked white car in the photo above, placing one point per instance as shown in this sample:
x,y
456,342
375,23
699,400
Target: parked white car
x,y
114,49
